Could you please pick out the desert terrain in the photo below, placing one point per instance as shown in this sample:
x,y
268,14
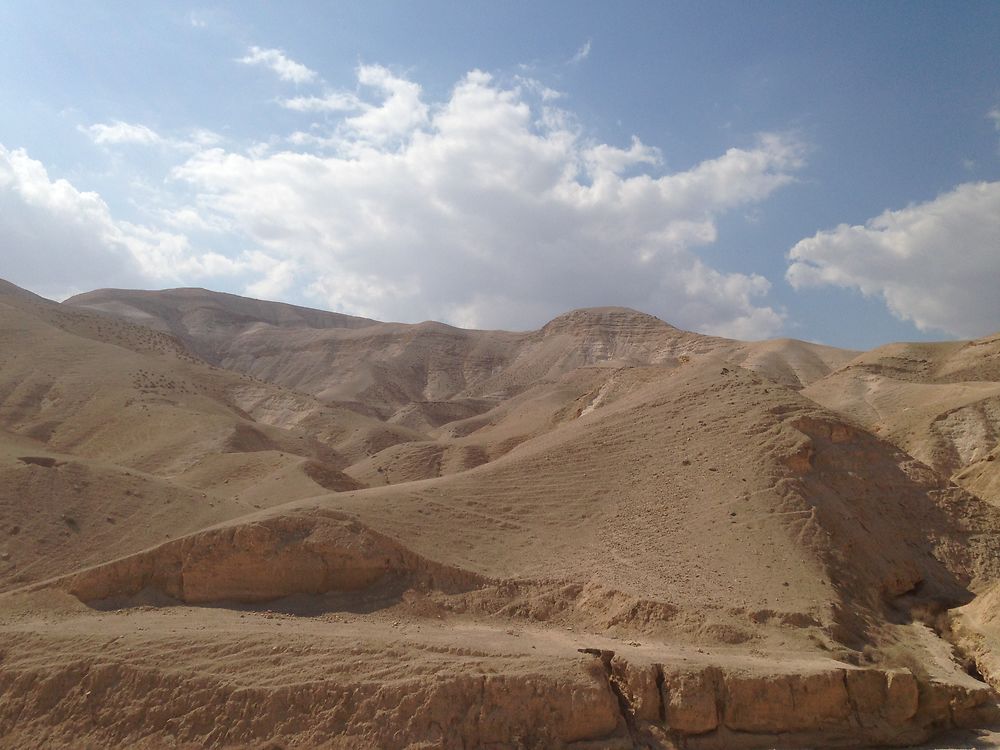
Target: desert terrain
x,y
226,522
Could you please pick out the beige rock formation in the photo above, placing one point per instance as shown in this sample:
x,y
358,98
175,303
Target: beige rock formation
x,y
228,522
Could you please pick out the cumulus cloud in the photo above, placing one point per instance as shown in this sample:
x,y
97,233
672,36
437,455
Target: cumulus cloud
x,y
935,263
274,277
545,93
121,132
58,240
284,67
399,111
490,208
605,158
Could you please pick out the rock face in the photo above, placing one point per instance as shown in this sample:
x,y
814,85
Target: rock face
x,y
716,706
455,711
601,699
631,702
691,700
266,560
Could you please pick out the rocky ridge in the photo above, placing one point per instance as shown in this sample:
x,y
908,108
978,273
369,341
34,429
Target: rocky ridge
x,y
607,532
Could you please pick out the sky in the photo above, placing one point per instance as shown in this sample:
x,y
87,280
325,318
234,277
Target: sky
x,y
824,171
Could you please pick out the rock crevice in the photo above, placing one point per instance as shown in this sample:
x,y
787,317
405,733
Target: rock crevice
x,y
714,706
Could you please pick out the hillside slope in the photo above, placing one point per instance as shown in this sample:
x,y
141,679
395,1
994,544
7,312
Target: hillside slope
x,y
390,367
107,426
607,531
939,402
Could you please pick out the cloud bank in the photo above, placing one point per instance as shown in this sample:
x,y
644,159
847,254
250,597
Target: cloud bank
x,y
936,264
490,208
58,240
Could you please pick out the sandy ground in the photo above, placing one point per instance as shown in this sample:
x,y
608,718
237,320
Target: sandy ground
x,y
232,523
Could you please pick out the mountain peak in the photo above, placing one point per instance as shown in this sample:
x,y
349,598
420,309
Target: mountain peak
x,y
608,318
13,290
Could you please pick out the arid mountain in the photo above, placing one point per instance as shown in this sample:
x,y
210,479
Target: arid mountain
x,y
392,366
229,522
939,402
147,441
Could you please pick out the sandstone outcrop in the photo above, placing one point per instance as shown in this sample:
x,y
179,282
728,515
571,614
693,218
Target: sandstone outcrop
x,y
265,560
725,706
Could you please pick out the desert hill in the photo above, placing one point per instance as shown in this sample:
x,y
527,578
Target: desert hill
x,y
939,402
138,427
484,391
390,367
230,522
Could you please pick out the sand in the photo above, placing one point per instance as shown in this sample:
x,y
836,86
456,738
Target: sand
x,y
234,523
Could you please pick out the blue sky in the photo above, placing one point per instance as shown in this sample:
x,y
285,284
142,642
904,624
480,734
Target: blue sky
x,y
828,172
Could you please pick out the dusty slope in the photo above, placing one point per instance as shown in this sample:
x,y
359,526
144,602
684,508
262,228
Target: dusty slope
x,y
155,677
791,362
61,512
587,530
739,566
451,399
594,518
207,321
138,440
400,369
939,402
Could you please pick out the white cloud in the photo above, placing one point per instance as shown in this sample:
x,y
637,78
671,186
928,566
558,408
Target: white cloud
x,y
336,101
605,158
58,240
189,219
276,60
484,211
311,140
54,237
400,112
397,114
581,54
275,276
540,89
201,137
936,264
119,132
